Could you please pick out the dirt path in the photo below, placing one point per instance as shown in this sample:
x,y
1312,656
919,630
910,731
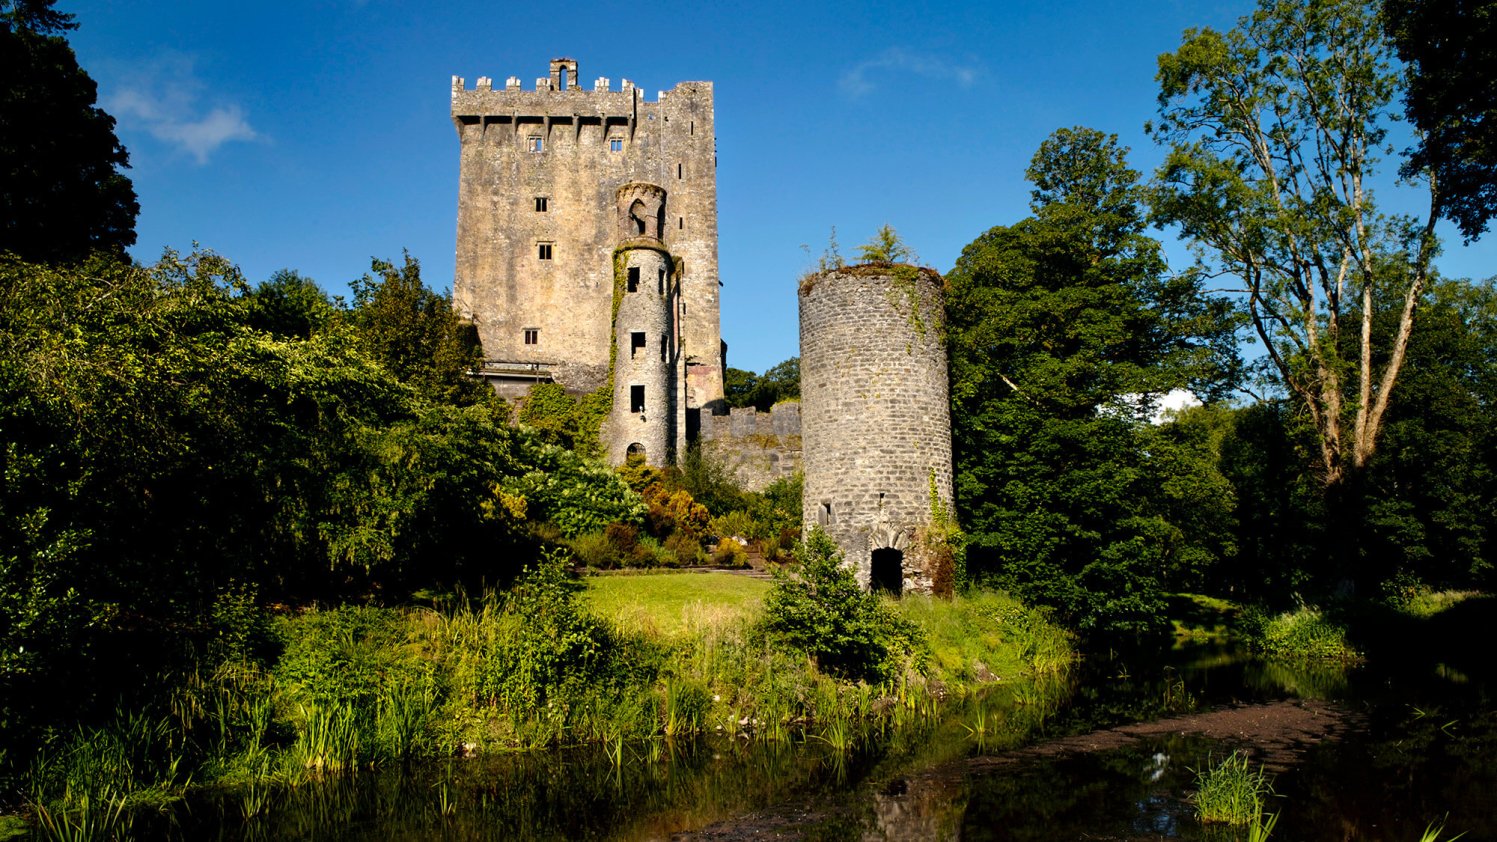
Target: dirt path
x,y
1277,733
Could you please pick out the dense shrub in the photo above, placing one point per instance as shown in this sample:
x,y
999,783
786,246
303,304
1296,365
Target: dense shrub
x,y
822,610
575,493
1305,633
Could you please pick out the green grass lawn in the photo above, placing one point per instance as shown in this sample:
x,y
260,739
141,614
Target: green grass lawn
x,y
676,604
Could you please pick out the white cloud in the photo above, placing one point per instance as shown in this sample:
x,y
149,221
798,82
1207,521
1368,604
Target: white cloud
x,y
163,98
858,80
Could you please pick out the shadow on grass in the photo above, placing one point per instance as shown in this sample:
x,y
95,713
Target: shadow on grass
x,y
1457,639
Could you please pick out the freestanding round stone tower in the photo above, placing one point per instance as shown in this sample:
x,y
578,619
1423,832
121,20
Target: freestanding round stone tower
x,y
876,420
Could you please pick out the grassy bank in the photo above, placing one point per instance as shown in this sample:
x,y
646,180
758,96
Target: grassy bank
x,y
613,661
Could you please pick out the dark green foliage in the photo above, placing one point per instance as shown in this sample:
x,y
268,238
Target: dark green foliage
x,y
161,448
1430,494
1280,516
343,655
289,305
1064,328
560,419
779,383
1451,98
62,193
415,334
821,610
556,649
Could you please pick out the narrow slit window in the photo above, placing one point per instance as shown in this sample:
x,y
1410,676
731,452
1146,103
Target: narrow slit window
x,y
824,515
636,399
662,347
541,205
615,144
681,223
633,282
678,171
661,289
636,343
535,144
543,251
532,336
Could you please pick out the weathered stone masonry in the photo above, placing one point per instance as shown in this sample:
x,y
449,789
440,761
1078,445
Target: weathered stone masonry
x,y
756,447
540,214
875,417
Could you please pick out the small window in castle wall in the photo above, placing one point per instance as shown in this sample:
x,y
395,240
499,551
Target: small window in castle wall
x,y
662,347
681,223
661,289
535,144
636,343
633,282
532,336
678,171
824,515
543,251
541,205
636,399
615,144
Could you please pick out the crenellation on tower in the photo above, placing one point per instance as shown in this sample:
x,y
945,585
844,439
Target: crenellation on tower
x,y
539,224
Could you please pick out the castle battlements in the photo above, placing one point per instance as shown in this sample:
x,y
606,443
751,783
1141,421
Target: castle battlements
x,y
558,95
561,190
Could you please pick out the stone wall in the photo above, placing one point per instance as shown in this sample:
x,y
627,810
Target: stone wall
x,y
757,447
548,268
876,417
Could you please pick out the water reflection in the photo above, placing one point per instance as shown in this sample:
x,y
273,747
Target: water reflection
x,y
1009,766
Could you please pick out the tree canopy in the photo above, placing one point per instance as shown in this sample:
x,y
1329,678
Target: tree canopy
x,y
1064,329
62,190
1273,131
1451,98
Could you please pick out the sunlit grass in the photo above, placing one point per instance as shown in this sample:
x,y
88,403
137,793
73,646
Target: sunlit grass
x,y
1426,604
1233,792
676,604
986,636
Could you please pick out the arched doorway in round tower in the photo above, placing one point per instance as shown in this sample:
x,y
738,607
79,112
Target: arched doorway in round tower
x,y
636,450
886,573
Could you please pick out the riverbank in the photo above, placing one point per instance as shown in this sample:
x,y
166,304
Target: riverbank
x,y
626,663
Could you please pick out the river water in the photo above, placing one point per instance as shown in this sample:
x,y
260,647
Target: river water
x,y
1390,746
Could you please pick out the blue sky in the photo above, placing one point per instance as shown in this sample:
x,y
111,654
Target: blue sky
x,y
315,135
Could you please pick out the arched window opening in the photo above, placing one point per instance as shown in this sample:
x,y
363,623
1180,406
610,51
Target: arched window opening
x,y
637,217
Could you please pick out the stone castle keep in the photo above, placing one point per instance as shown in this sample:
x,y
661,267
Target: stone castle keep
x,y
587,245
587,256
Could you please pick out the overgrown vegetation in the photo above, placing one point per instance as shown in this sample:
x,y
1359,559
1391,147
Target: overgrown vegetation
x,y
1305,633
1233,792
322,691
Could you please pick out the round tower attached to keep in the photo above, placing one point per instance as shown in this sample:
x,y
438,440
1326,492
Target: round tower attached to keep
x,y
647,418
876,419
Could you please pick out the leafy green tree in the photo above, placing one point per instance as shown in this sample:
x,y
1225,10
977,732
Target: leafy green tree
x,y
1431,491
1450,47
780,382
1064,330
820,609
415,334
62,192
289,305
1274,129
160,448
739,386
